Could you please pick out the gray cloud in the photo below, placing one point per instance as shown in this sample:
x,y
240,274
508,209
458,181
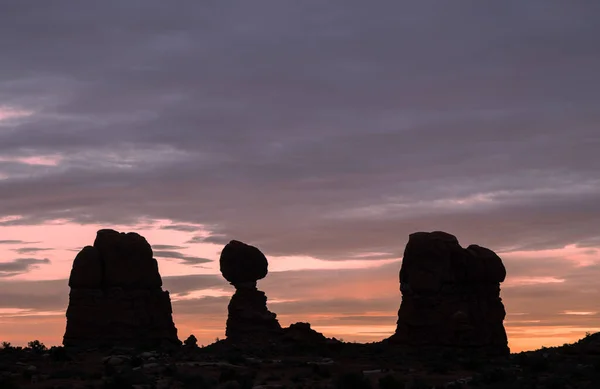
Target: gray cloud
x,y
167,247
185,284
28,250
347,127
180,227
213,238
13,241
20,266
186,259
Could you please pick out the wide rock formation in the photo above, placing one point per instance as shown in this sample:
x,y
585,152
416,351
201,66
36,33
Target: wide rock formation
x,y
249,319
116,296
450,295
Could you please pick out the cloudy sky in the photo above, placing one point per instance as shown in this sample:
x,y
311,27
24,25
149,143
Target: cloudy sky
x,y
322,132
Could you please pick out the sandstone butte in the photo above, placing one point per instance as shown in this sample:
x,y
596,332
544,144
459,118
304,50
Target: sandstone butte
x,y
450,295
116,296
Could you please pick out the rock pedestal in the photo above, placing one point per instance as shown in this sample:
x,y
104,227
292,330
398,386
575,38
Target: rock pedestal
x,y
249,319
116,296
450,295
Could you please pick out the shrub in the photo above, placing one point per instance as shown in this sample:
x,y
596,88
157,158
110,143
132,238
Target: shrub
x,y
36,346
191,341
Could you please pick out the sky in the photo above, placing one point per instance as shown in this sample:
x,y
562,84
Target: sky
x,y
321,132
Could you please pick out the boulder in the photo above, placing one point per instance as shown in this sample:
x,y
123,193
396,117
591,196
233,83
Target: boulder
x,y
242,263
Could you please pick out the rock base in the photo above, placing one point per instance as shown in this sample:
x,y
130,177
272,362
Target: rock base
x,y
129,318
249,318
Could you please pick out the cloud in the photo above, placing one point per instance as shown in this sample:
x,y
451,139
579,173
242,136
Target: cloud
x,y
217,239
181,227
186,259
28,250
167,247
20,266
12,241
331,144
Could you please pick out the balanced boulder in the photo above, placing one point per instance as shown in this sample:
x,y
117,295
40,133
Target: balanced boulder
x,y
249,319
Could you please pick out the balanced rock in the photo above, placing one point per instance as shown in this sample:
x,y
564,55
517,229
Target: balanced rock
x,y
116,297
242,263
450,295
249,319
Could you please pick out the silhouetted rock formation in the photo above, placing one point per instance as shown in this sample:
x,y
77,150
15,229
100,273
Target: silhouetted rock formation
x,y
249,319
302,332
450,295
116,297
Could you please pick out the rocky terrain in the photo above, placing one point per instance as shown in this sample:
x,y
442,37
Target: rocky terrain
x,y
450,333
350,366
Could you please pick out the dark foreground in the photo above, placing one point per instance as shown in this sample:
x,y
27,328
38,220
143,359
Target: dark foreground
x,y
341,365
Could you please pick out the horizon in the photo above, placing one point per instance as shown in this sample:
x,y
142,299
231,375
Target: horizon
x,y
322,134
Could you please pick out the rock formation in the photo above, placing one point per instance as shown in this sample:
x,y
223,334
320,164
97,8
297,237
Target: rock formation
x,y
249,318
450,295
116,296
302,333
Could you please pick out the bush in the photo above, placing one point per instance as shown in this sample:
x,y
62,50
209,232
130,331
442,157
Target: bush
x,y
37,346
191,341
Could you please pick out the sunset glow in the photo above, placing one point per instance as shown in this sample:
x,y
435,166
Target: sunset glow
x,y
324,134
